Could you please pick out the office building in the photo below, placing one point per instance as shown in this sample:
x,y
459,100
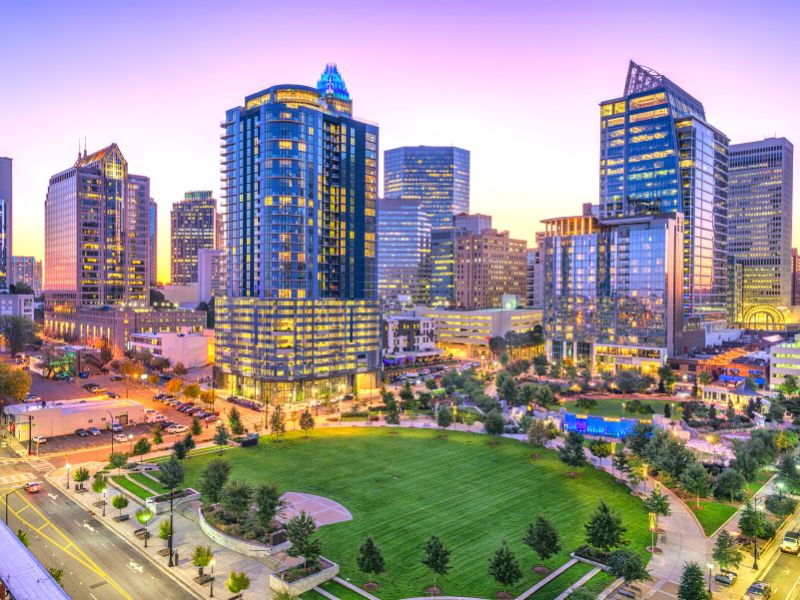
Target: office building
x,y
436,176
404,252
194,228
6,210
16,305
760,232
408,340
301,315
153,243
27,270
612,290
795,277
659,155
489,265
210,274
784,359
535,275
185,347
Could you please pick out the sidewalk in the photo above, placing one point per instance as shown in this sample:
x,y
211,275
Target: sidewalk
x,y
187,536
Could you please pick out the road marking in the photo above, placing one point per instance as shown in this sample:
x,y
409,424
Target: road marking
x,y
89,527
134,566
52,496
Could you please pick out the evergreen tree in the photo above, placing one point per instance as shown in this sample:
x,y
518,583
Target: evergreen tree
x,y
235,421
299,531
571,453
628,565
693,585
306,421
658,504
437,558
695,480
221,436
729,485
213,479
542,537
493,423
503,566
444,417
370,559
278,421
726,551
604,530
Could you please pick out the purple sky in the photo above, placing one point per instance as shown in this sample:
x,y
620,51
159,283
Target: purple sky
x,y
517,83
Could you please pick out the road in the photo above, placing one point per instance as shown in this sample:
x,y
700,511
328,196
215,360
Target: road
x,y
784,575
97,564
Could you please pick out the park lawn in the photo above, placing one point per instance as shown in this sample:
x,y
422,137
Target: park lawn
x,y
404,485
712,514
612,407
762,477
562,582
149,482
133,487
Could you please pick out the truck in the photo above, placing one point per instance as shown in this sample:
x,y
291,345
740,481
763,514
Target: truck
x,y
791,542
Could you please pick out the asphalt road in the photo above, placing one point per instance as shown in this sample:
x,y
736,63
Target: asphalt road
x,y
97,564
784,575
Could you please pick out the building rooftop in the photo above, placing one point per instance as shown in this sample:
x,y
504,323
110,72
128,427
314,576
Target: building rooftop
x,y
70,406
22,574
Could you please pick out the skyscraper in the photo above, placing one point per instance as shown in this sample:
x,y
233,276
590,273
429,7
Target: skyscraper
x,y
443,255
194,228
436,176
97,234
404,251
6,206
299,180
760,232
27,270
210,274
153,243
659,155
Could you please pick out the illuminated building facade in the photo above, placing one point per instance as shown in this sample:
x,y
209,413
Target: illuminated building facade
x,y
194,228
659,155
210,274
443,260
760,232
153,243
535,276
612,290
299,179
488,265
435,176
27,270
6,205
404,251
795,277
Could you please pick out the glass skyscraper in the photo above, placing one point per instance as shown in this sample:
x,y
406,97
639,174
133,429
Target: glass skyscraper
x,y
435,176
760,232
659,155
6,205
194,228
299,183
404,251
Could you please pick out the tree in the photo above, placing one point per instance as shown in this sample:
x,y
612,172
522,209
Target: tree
x,y
80,476
665,377
57,574
540,365
235,421
507,387
726,551
142,447
604,530
237,582
704,378
277,421
437,558
658,504
158,436
192,391
444,417
165,530
777,411
787,472
268,504
789,385
235,498
667,410
392,411
695,480
497,345
628,565
306,421
620,462
571,453
693,585
117,460
729,485
213,479
195,428
171,476
174,385
753,523
503,566
179,369
542,537
586,403
18,332
201,558
14,383
555,370
370,559
221,436
600,449
493,423
153,379
299,531
119,502
179,449
144,516
786,440
638,439
99,485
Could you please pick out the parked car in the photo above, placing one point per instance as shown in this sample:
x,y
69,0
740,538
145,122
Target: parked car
x,y
211,418
93,431
177,428
791,542
759,590
120,437
116,428
726,577
84,374
97,390
90,386
186,406
33,487
81,432
116,378
112,394
39,439
159,397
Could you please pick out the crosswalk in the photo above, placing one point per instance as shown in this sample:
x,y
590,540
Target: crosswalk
x,y
40,466
16,478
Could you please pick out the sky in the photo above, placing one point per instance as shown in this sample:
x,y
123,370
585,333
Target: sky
x,y
515,82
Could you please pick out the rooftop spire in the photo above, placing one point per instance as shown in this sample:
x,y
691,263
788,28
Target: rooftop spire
x,y
331,83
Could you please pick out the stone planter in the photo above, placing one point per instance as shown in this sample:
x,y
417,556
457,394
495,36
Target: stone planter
x,y
300,586
248,548
160,504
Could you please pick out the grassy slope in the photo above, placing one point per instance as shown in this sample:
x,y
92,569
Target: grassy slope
x,y
403,488
612,407
131,486
149,483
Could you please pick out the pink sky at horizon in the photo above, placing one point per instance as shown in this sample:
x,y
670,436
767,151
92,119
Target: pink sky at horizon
x,y
516,83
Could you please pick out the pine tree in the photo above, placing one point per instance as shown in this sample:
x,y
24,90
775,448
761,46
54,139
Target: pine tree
x,y
604,529
658,504
277,421
503,566
693,586
306,421
726,551
695,480
437,558
571,453
542,537
370,559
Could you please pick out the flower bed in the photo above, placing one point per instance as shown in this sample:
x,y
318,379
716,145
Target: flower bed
x,y
247,547
297,580
160,504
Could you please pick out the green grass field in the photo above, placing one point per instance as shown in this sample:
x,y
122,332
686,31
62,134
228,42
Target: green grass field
x,y
612,407
149,483
712,514
404,485
132,487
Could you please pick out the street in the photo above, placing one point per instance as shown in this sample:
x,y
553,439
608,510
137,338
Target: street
x,y
784,576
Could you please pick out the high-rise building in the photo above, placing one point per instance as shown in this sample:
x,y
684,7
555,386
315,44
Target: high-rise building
x,y
795,277
659,155
404,251
299,181
27,270
489,265
97,234
6,206
535,278
443,248
153,243
612,292
435,176
760,232
210,274
194,227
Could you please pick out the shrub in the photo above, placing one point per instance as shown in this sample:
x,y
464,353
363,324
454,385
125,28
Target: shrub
x,y
780,506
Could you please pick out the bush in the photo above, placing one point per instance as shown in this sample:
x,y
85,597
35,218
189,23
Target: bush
x,y
592,553
780,506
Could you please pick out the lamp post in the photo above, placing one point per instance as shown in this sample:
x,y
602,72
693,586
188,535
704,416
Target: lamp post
x,y
710,568
7,493
112,430
755,537
780,489
104,502
211,582
67,475
130,439
644,472
622,409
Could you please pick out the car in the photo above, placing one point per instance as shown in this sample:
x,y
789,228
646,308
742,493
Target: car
x,y
112,395
185,407
759,590
93,431
159,418
177,428
116,378
33,487
120,437
97,390
89,387
726,577
791,542
84,374
39,439
159,397
32,398
81,432
116,428
193,410
200,414
211,418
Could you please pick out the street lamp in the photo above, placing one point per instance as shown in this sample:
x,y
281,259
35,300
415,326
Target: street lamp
x,y
68,475
644,472
130,439
104,502
710,568
213,560
755,537
112,430
780,489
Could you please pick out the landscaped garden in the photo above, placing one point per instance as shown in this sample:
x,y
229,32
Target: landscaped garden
x,y
613,407
403,486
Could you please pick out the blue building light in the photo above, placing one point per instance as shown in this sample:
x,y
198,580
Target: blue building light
x,y
331,83
599,426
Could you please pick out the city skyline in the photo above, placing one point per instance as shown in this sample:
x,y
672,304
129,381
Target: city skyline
x,y
518,171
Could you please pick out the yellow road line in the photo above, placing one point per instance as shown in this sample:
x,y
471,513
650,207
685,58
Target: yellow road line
x,y
82,558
